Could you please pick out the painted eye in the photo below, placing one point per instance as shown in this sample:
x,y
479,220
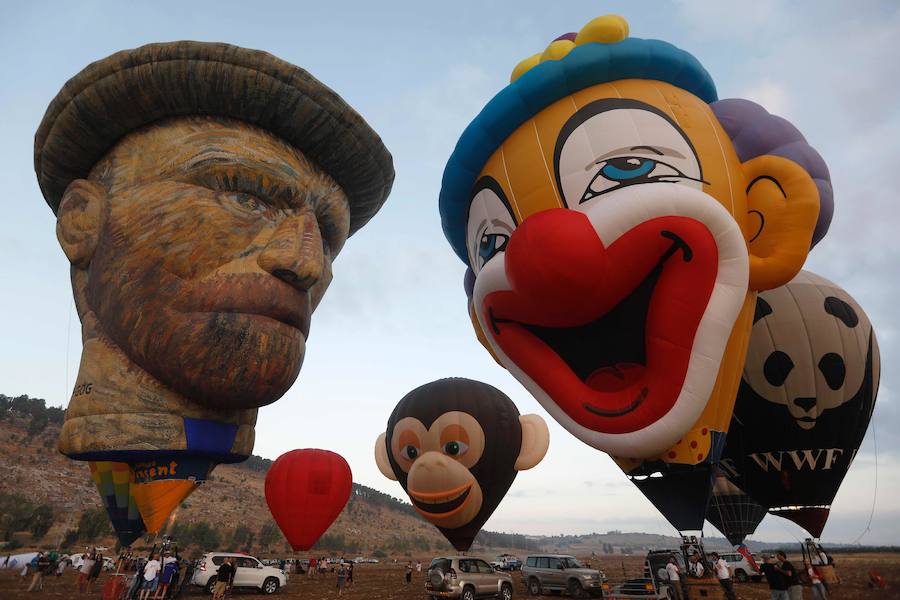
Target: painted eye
x,y
628,167
777,368
409,452
832,367
455,448
629,170
491,244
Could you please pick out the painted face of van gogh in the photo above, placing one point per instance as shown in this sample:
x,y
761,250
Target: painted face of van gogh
x,y
213,246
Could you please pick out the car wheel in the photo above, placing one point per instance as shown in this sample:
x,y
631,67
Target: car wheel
x,y
269,586
575,589
468,594
505,592
210,584
534,587
740,575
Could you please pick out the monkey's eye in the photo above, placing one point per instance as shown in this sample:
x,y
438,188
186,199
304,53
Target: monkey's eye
x,y
455,448
409,452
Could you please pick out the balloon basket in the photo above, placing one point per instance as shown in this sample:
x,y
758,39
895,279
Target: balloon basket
x,y
704,588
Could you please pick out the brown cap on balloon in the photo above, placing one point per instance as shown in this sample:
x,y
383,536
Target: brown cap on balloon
x,y
133,88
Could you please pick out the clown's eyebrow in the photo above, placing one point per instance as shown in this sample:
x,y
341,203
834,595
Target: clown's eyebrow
x,y
658,150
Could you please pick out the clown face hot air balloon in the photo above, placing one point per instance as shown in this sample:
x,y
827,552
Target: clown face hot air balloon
x,y
617,221
805,400
455,445
306,490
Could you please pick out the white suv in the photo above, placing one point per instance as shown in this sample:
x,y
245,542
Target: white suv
x,y
741,567
248,573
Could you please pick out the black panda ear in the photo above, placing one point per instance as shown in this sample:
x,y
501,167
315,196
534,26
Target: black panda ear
x,y
763,309
841,310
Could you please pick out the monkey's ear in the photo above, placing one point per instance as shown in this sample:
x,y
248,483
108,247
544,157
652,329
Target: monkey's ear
x,y
535,441
381,458
79,220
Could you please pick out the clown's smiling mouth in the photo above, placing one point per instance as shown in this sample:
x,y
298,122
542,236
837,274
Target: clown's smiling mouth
x,y
439,503
587,350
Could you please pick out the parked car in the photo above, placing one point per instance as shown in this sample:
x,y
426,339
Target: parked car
x,y
506,562
466,578
559,572
742,568
249,573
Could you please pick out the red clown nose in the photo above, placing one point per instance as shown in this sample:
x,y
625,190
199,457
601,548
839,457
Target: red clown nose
x,y
306,490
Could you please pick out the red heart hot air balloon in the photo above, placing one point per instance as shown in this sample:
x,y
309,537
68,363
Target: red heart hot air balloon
x,y
306,490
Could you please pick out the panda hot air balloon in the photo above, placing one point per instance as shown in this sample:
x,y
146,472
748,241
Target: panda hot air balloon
x,y
805,399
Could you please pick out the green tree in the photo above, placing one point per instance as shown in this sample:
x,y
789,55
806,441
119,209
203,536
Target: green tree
x,y
40,522
268,535
93,524
15,514
242,536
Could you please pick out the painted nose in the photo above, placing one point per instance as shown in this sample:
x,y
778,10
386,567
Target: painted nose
x,y
548,257
294,253
805,403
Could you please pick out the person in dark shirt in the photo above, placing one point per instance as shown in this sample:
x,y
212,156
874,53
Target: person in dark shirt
x,y
792,576
224,576
775,578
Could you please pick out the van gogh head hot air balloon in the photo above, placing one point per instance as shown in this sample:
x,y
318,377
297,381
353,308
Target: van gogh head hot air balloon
x,y
202,192
617,221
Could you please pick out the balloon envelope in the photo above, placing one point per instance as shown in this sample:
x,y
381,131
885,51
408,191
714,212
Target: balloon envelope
x,y
732,511
805,399
114,483
306,490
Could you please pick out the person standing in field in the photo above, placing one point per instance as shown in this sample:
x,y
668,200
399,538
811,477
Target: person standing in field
x,y
794,589
151,577
224,576
341,578
723,574
674,578
350,575
815,582
409,572
40,564
87,564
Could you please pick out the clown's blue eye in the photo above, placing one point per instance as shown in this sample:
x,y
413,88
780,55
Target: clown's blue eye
x,y
627,168
491,244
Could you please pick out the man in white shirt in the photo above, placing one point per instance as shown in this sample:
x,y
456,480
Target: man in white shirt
x,y
151,571
723,574
674,578
695,568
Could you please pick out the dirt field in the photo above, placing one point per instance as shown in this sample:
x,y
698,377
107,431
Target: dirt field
x,y
376,582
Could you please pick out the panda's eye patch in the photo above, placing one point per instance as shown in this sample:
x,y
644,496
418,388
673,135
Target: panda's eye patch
x,y
842,311
763,309
832,367
777,368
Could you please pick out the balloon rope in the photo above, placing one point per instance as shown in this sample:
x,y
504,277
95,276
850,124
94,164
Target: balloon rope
x,y
68,339
875,491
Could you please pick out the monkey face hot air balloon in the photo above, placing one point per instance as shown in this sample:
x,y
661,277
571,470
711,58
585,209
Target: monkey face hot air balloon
x,y
805,400
617,221
306,490
455,445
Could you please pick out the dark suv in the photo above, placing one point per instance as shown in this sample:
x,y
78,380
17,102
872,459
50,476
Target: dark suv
x,y
559,572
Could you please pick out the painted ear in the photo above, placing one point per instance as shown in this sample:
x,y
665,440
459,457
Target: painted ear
x,y
381,458
535,441
79,221
782,206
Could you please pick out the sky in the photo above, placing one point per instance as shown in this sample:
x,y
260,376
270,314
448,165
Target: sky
x,y
395,317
